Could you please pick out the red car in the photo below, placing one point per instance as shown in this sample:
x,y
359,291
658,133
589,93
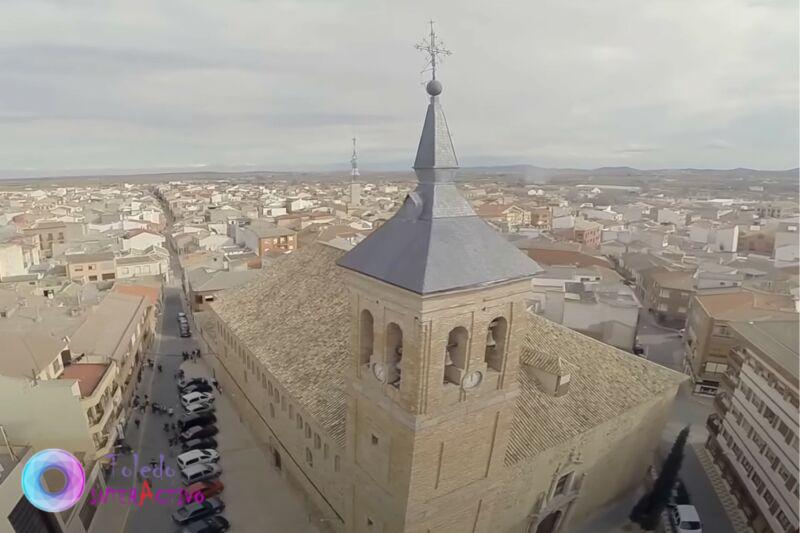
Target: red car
x,y
208,488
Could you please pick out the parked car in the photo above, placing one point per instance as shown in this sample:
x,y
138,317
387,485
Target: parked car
x,y
196,387
181,315
214,524
185,332
199,432
201,472
199,408
684,519
193,457
185,382
193,397
191,420
195,511
638,349
209,488
199,444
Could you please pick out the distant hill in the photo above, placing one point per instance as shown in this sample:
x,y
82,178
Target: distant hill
x,y
517,173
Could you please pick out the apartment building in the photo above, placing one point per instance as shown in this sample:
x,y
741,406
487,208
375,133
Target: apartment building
x,y
754,432
263,237
119,330
667,294
588,233
49,400
709,339
89,267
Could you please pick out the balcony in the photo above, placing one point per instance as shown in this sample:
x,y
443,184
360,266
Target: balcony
x,y
714,423
729,381
722,402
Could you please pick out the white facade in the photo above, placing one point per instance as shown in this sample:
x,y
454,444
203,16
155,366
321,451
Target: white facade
x,y
12,261
763,453
671,216
726,239
564,222
142,241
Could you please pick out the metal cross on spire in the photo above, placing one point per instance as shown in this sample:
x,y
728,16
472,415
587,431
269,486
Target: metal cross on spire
x,y
434,49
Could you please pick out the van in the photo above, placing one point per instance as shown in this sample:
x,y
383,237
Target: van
x,y
685,519
200,472
194,457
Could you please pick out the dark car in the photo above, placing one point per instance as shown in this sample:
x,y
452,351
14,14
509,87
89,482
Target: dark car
x,y
199,444
195,511
199,432
214,524
638,349
189,421
196,387
209,488
185,382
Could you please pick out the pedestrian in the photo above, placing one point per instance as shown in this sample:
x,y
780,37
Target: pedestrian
x,y
136,421
159,367
170,411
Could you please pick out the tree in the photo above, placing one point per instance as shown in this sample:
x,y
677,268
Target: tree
x,y
647,511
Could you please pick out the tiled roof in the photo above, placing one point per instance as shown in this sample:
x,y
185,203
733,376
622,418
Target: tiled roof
x,y
748,305
607,383
295,318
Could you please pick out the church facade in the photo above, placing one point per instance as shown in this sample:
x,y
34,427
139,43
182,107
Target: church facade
x,y
403,386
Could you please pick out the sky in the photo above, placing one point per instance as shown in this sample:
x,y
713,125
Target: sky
x,y
108,85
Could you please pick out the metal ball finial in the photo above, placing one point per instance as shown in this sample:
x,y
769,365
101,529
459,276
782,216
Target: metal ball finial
x,y
434,87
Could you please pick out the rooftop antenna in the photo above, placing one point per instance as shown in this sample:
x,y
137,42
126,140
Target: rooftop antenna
x,y
354,161
434,49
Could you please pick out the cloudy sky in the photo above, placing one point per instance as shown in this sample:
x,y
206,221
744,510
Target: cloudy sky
x,y
168,84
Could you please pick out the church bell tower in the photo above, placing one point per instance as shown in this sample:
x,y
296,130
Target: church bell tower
x,y
437,318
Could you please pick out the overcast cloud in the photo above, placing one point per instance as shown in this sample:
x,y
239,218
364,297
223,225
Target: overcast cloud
x,y
285,85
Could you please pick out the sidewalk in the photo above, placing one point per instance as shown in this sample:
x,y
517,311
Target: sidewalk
x,y
735,515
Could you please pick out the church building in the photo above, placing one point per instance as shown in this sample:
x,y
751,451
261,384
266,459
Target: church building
x,y
403,385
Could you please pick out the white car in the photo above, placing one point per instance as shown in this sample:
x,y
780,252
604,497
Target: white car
x,y
684,519
197,408
194,457
196,397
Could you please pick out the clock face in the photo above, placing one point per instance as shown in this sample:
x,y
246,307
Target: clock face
x,y
472,380
379,371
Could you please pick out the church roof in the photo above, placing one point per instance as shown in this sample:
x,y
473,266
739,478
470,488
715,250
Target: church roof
x,y
295,319
605,383
436,242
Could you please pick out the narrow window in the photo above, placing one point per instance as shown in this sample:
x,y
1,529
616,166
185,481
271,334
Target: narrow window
x,y
299,421
336,464
308,431
455,356
374,440
367,337
309,458
317,441
326,450
394,354
496,344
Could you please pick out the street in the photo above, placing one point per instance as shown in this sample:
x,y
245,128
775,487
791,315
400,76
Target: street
x,y
665,347
257,498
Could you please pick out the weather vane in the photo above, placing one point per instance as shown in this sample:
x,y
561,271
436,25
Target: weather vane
x,y
434,49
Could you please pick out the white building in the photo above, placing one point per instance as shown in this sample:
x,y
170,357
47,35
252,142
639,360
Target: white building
x,y
142,240
12,261
754,434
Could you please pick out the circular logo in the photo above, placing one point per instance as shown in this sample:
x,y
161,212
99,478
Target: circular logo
x,y
33,486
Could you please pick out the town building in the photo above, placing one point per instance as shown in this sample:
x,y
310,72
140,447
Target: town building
x,y
18,515
421,395
263,237
667,294
708,337
754,432
89,267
